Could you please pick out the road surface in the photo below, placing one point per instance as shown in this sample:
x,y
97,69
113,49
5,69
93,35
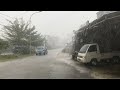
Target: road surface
x,y
55,65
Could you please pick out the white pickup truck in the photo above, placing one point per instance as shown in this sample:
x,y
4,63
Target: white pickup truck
x,y
90,53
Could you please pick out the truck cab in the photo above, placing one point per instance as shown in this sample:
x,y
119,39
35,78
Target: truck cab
x,y
87,52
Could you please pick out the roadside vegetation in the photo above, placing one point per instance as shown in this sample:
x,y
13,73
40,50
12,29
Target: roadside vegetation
x,y
20,39
4,58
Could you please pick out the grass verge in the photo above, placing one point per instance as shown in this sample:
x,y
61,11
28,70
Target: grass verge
x,y
4,58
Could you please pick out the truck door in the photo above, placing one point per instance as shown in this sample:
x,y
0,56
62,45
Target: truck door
x,y
92,52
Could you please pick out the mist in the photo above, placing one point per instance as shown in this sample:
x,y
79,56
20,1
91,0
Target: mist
x,y
55,24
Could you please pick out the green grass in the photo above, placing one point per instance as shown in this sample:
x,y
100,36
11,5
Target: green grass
x,y
4,58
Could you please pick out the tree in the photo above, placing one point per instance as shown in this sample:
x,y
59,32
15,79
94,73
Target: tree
x,y
106,34
19,33
3,45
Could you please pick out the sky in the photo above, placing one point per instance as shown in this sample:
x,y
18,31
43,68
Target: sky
x,y
57,23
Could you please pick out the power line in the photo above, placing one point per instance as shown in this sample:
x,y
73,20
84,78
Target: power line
x,y
2,24
7,15
5,18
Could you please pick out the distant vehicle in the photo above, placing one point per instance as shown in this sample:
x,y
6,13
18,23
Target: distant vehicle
x,y
41,51
90,53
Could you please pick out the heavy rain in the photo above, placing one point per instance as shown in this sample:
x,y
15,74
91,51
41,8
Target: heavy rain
x,y
59,44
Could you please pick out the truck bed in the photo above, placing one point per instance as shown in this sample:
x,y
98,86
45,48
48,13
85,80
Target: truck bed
x,y
109,55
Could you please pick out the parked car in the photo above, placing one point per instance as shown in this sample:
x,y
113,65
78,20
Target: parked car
x,y
41,51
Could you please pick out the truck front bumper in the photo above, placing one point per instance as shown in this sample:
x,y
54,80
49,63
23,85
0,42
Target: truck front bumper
x,y
83,60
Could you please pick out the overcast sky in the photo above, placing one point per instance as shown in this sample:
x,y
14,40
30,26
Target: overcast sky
x,y
59,23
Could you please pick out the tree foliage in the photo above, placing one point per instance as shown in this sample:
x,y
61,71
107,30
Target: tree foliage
x,y
19,32
106,34
3,44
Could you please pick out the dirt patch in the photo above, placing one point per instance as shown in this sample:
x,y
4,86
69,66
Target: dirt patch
x,y
106,72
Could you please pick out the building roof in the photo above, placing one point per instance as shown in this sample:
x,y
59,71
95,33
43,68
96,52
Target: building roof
x,y
101,13
110,16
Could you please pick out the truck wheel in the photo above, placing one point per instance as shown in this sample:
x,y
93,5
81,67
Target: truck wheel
x,y
116,59
94,62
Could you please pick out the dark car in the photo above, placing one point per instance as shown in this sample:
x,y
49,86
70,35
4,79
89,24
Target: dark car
x,y
41,51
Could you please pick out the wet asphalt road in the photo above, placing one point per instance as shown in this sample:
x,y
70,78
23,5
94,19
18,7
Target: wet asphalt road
x,y
55,65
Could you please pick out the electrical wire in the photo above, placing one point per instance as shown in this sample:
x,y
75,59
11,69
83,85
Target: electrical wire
x,y
7,15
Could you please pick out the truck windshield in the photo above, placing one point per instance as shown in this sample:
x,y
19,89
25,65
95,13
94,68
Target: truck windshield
x,y
84,48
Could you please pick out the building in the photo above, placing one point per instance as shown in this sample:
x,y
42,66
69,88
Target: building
x,y
101,13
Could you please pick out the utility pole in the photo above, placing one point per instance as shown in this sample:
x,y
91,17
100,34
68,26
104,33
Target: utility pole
x,y
30,27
